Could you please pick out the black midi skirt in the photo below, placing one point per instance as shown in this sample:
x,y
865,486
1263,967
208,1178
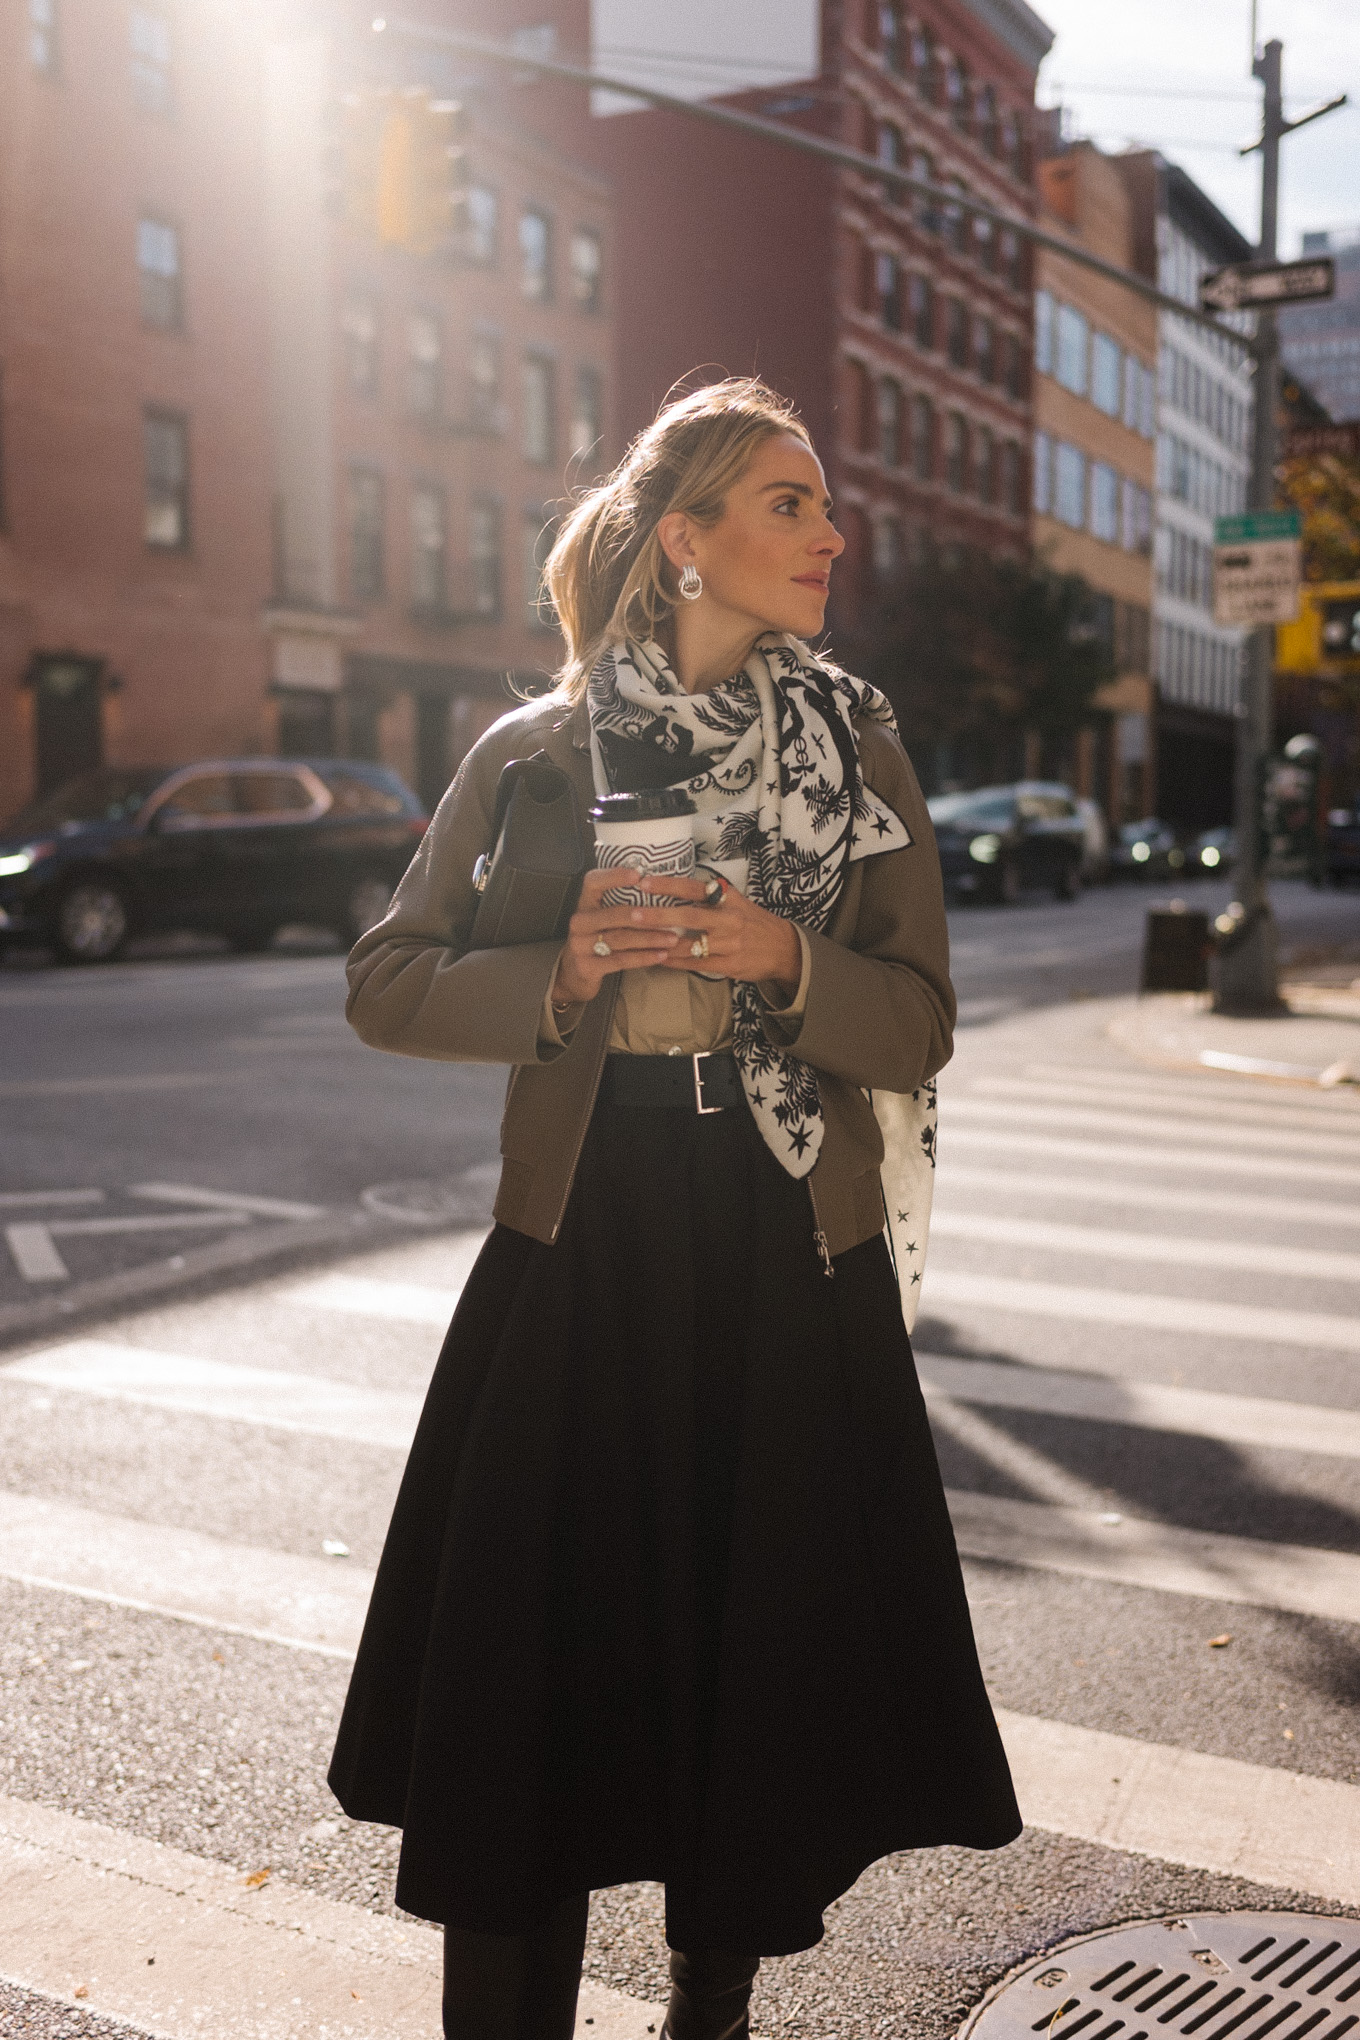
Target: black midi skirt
x,y
670,1590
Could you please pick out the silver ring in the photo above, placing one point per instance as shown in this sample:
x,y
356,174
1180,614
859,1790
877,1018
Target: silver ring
x,y
602,947
699,948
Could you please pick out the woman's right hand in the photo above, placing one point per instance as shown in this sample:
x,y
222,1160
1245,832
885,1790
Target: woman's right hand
x,y
580,972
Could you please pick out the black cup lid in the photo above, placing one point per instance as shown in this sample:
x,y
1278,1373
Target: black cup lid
x,y
653,806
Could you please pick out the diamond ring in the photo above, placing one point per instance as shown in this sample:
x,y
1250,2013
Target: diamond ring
x,y
602,947
699,948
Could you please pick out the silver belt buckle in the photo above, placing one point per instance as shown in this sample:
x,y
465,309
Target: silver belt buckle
x,y
704,1111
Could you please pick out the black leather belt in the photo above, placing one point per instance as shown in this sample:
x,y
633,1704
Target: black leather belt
x,y
697,1083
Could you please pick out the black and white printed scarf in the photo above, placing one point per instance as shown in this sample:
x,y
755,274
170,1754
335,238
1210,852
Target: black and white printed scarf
x,y
770,760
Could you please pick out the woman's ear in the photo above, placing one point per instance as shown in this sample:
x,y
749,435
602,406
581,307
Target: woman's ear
x,y
676,542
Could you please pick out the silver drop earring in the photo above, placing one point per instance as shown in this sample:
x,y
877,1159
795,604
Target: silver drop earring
x,y
691,587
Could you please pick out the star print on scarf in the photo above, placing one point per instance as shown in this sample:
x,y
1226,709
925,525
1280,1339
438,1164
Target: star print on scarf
x,y
771,762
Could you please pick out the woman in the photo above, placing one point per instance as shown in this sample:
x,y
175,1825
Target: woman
x,y
670,1590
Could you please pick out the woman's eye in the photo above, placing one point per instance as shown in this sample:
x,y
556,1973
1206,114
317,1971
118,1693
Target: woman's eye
x,y
789,503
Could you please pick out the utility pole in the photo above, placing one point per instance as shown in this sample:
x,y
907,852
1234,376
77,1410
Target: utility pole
x,y
1248,961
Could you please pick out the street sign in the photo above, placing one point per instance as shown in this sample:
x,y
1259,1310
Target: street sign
x,y
1257,567
1246,284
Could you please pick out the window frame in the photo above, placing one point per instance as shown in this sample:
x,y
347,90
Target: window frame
x,y
367,538
434,599
527,270
49,64
180,489
149,278
589,302
537,364
152,78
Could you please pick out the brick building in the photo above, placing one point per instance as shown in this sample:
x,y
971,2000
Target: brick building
x,y
134,455
1095,383
901,328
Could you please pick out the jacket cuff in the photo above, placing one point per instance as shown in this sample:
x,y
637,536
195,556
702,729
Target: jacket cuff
x,y
556,1029
782,1021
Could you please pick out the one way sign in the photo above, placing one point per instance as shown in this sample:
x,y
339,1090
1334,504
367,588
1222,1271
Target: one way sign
x,y
1267,283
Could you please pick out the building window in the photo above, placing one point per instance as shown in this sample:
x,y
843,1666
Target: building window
x,y
1069,485
1147,403
367,535
484,383
484,552
158,274
887,549
424,365
1107,361
1104,502
1043,474
1014,371
539,424
956,332
984,349
359,337
587,265
1136,518
954,220
924,208
537,542
42,36
984,464
988,121
151,53
923,60
1071,345
1012,258
587,416
922,438
922,301
1012,144
888,291
956,92
535,256
984,243
888,146
956,452
165,447
1043,332
429,547
889,419
481,225
1012,498
891,40
1132,391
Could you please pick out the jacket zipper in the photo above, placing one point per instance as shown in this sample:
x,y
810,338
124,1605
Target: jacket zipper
x,y
586,1117
819,1238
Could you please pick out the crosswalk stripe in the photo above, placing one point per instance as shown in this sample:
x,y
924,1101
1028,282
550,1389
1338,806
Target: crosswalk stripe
x,y
1195,1413
1198,1161
214,1388
1225,1205
1214,1134
1136,1552
309,1604
1278,1828
1149,1312
227,1200
1247,1256
1225,1090
1268,1119
179,1944
412,1303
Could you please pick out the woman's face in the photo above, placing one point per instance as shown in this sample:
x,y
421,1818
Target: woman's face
x,y
767,561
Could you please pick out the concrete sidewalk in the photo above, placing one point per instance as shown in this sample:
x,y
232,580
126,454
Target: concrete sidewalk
x,y
1316,1041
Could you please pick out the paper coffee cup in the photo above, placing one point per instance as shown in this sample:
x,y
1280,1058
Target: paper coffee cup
x,y
653,832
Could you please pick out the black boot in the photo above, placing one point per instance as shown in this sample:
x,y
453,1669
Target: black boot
x,y
710,1997
516,1986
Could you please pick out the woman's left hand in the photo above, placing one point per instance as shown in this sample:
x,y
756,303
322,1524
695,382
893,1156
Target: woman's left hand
x,y
743,940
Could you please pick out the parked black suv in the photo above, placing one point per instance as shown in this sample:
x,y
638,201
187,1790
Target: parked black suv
x,y
235,846
999,839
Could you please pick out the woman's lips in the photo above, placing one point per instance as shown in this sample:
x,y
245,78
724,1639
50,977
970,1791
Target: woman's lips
x,y
822,581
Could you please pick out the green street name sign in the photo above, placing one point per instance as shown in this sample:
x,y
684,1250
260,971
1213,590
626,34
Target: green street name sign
x,y
1256,526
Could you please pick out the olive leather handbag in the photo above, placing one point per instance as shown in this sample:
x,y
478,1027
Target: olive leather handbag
x,y
542,847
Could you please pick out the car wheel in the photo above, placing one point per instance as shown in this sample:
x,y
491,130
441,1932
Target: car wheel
x,y
368,901
1068,884
91,922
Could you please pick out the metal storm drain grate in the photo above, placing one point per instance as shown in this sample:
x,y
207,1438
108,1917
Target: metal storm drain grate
x,y
1210,1974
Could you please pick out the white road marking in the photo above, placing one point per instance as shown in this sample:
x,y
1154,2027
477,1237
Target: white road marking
x,y
1193,1161
226,1200
1214,1134
1280,1828
212,1388
1136,1552
93,1087
1221,1205
1082,1079
1150,1312
34,1255
415,1303
1267,1117
1247,1256
1102,1399
18,1200
38,1259
86,1903
308,1603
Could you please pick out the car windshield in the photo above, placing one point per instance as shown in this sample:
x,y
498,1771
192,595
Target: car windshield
x,y
972,810
110,794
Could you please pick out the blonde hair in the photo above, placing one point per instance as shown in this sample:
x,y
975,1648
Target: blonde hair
x,y
607,575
